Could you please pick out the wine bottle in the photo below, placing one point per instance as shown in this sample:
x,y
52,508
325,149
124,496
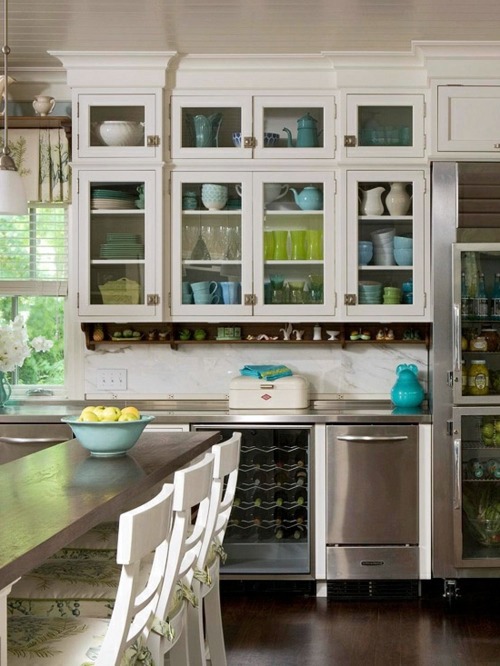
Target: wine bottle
x,y
300,497
299,532
279,498
258,478
279,516
301,477
258,498
279,532
280,478
300,459
300,515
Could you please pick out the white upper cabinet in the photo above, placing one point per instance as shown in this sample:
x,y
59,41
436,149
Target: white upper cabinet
x,y
384,125
468,119
124,124
239,127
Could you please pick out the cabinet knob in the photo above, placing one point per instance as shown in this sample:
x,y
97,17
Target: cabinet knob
x,y
250,299
350,299
349,140
152,140
249,142
496,145
153,299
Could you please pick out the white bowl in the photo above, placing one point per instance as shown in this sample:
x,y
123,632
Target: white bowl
x,y
120,132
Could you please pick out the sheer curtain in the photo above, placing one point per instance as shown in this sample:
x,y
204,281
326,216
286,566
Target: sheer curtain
x,y
42,157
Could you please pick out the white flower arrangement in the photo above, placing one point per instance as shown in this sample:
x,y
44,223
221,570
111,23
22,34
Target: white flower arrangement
x,y
15,346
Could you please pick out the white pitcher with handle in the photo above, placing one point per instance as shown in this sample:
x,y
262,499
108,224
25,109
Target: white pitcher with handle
x,y
371,201
44,105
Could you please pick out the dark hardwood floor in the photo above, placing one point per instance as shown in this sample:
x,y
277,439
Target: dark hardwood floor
x,y
265,627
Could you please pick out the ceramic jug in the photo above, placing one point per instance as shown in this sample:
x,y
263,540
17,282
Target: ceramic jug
x,y
205,129
311,198
307,133
398,200
371,201
407,391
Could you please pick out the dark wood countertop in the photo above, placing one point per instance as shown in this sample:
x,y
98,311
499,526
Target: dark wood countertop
x,y
51,497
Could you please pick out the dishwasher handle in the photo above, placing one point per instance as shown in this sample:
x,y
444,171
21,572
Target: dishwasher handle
x,y
32,440
372,438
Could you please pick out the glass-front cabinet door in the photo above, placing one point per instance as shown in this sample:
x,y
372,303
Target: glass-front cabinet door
x,y
246,244
119,245
476,329
258,127
387,245
211,245
294,240
476,485
384,125
122,124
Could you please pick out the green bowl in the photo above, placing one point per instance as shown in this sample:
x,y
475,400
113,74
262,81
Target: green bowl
x,y
107,438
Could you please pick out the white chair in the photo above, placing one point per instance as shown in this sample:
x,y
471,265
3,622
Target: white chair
x,y
205,630
120,641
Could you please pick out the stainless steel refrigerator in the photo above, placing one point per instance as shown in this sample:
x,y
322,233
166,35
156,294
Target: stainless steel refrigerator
x,y
465,372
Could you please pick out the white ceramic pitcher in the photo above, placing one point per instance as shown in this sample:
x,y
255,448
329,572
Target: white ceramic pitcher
x,y
371,201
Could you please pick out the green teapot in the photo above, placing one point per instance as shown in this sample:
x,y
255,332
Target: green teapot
x,y
307,133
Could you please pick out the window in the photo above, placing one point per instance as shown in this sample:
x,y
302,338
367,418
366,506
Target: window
x,y
34,283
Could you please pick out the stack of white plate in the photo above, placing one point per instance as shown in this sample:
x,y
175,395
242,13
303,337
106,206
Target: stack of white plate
x,y
122,246
112,199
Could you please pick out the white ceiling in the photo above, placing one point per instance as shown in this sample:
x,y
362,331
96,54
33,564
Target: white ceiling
x,y
240,26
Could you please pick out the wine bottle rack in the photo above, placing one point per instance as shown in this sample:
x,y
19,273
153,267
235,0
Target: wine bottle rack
x,y
271,502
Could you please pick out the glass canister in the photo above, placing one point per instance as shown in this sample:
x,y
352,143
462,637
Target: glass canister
x,y
491,337
478,378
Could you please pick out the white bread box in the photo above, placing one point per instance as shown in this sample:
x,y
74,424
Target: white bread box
x,y
290,392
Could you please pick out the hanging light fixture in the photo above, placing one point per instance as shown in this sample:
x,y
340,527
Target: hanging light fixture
x,y
12,194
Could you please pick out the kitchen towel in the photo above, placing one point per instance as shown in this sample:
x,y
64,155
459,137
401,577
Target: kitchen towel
x,y
269,372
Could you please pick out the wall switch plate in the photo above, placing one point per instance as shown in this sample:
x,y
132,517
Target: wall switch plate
x,y
112,379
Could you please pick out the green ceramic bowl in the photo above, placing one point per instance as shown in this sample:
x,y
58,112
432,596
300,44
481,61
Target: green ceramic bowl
x,y
107,438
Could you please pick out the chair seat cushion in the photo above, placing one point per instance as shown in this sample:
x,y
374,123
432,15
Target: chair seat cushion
x,y
98,543
65,588
62,642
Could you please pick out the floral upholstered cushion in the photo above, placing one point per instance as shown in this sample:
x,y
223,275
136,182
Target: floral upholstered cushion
x,y
63,642
98,543
66,588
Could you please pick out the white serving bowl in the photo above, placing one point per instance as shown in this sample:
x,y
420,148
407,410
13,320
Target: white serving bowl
x,y
120,132
107,438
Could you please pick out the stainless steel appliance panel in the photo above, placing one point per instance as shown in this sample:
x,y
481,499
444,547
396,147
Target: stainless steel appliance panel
x,y
372,485
366,563
20,439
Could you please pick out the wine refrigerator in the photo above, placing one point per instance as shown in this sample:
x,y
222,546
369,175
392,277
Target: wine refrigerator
x,y
269,530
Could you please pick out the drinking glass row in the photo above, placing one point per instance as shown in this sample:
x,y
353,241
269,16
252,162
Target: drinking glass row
x,y
219,241
295,244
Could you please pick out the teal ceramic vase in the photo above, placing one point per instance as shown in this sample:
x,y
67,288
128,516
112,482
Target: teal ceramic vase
x,y
5,389
407,391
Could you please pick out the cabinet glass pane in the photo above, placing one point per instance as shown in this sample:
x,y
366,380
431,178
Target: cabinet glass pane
x,y
211,127
480,462
293,243
211,243
480,321
117,125
385,243
300,127
385,125
116,241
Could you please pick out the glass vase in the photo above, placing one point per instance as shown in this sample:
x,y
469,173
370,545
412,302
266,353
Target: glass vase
x,y
5,389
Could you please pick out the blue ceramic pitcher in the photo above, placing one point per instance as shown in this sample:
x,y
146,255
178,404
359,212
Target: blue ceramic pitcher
x,y
407,391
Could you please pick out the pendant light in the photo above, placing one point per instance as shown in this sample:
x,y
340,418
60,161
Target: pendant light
x,y
12,194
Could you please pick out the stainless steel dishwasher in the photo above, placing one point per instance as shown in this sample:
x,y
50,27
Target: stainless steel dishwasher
x,y
372,502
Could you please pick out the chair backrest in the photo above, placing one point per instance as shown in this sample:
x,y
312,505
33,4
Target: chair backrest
x,y
225,476
191,502
141,531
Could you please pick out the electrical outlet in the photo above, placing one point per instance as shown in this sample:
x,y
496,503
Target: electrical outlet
x,y
112,379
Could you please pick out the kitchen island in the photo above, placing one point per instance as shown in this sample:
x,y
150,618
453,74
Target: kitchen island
x,y
51,497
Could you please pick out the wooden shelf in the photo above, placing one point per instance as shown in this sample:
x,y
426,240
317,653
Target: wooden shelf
x,y
39,122
169,334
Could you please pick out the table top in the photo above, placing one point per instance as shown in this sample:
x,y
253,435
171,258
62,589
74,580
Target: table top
x,y
49,498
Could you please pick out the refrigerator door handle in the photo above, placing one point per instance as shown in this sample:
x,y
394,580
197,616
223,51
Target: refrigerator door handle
x,y
457,340
457,485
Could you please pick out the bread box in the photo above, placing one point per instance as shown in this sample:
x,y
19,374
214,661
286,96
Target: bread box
x,y
285,393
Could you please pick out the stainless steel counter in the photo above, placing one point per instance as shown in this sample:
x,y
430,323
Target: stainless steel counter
x,y
167,412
